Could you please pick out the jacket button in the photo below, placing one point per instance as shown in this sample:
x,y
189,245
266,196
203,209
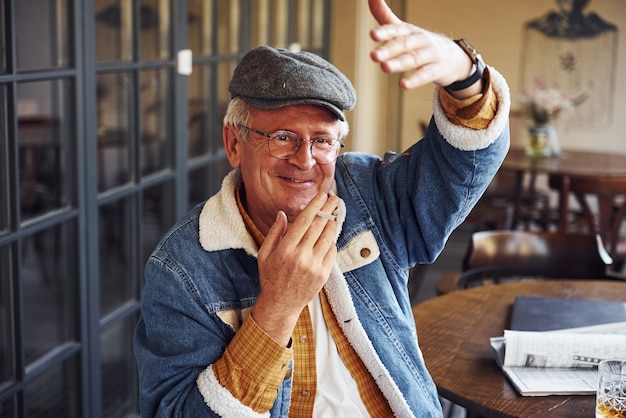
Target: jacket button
x,y
365,252
288,374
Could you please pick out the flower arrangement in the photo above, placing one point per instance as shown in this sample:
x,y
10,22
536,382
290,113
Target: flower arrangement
x,y
545,104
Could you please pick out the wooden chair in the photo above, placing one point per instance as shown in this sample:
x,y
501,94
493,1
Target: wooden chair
x,y
602,201
508,203
493,256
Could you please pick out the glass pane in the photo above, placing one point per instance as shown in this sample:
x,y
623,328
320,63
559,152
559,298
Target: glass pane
x,y
7,355
46,146
205,119
317,25
114,92
119,376
158,215
199,110
156,121
280,33
4,163
56,393
224,73
8,408
205,182
41,34
200,26
3,50
303,26
118,284
50,287
260,23
114,30
228,26
155,29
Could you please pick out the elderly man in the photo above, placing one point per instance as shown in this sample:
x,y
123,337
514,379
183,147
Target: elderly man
x,y
285,294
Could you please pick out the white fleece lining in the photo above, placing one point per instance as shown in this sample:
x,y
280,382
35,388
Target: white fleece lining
x,y
360,251
340,301
221,224
220,400
468,139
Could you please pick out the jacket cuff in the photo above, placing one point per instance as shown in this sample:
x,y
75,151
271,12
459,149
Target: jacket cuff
x,y
468,138
220,400
251,370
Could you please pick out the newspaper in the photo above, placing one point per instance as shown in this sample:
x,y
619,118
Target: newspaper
x,y
562,362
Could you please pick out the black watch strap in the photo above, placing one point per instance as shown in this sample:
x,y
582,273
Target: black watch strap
x,y
479,66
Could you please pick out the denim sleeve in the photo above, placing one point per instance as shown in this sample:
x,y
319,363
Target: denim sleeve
x,y
420,197
443,183
169,356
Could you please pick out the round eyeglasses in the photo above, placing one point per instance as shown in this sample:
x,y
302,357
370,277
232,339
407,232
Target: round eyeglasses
x,y
285,144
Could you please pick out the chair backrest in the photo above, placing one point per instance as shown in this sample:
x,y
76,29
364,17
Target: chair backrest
x,y
496,255
610,194
511,200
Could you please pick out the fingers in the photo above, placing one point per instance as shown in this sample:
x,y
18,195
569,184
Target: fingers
x,y
275,234
382,12
408,48
403,53
392,31
294,263
322,206
429,56
311,232
404,47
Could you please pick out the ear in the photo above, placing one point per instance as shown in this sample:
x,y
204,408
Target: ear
x,y
232,145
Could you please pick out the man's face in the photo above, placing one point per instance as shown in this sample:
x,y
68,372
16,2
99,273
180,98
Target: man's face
x,y
272,184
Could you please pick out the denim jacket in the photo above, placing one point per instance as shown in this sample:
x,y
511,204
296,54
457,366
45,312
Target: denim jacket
x,y
202,278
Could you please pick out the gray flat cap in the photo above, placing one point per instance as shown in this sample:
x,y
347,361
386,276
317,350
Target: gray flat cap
x,y
269,78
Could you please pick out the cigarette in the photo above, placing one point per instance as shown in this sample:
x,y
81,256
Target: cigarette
x,y
326,216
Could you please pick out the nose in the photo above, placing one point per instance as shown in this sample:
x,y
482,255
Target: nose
x,y
303,158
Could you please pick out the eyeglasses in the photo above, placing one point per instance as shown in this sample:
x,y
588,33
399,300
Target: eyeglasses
x,y
285,144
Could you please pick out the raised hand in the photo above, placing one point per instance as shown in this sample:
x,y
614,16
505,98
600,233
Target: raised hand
x,y
406,47
294,264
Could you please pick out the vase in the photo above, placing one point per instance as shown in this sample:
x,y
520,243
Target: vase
x,y
542,141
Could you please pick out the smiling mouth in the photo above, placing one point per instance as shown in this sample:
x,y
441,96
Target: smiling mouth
x,y
293,180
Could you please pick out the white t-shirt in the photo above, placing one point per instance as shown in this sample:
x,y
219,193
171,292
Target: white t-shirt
x,y
337,394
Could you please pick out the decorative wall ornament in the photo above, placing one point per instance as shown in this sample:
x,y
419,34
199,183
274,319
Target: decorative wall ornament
x,y
576,51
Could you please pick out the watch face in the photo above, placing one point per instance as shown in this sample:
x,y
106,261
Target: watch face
x,y
478,68
469,49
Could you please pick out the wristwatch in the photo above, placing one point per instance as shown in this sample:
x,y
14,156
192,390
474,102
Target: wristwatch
x,y
478,67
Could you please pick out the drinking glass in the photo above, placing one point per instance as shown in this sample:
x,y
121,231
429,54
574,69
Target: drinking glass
x,y
611,395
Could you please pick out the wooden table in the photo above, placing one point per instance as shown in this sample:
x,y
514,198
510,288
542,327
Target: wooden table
x,y
454,331
570,162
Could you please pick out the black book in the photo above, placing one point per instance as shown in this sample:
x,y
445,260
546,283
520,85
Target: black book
x,y
536,313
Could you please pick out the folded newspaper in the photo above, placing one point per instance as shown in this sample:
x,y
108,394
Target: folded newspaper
x,y
562,362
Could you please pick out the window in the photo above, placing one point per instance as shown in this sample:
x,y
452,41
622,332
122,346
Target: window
x,y
103,146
